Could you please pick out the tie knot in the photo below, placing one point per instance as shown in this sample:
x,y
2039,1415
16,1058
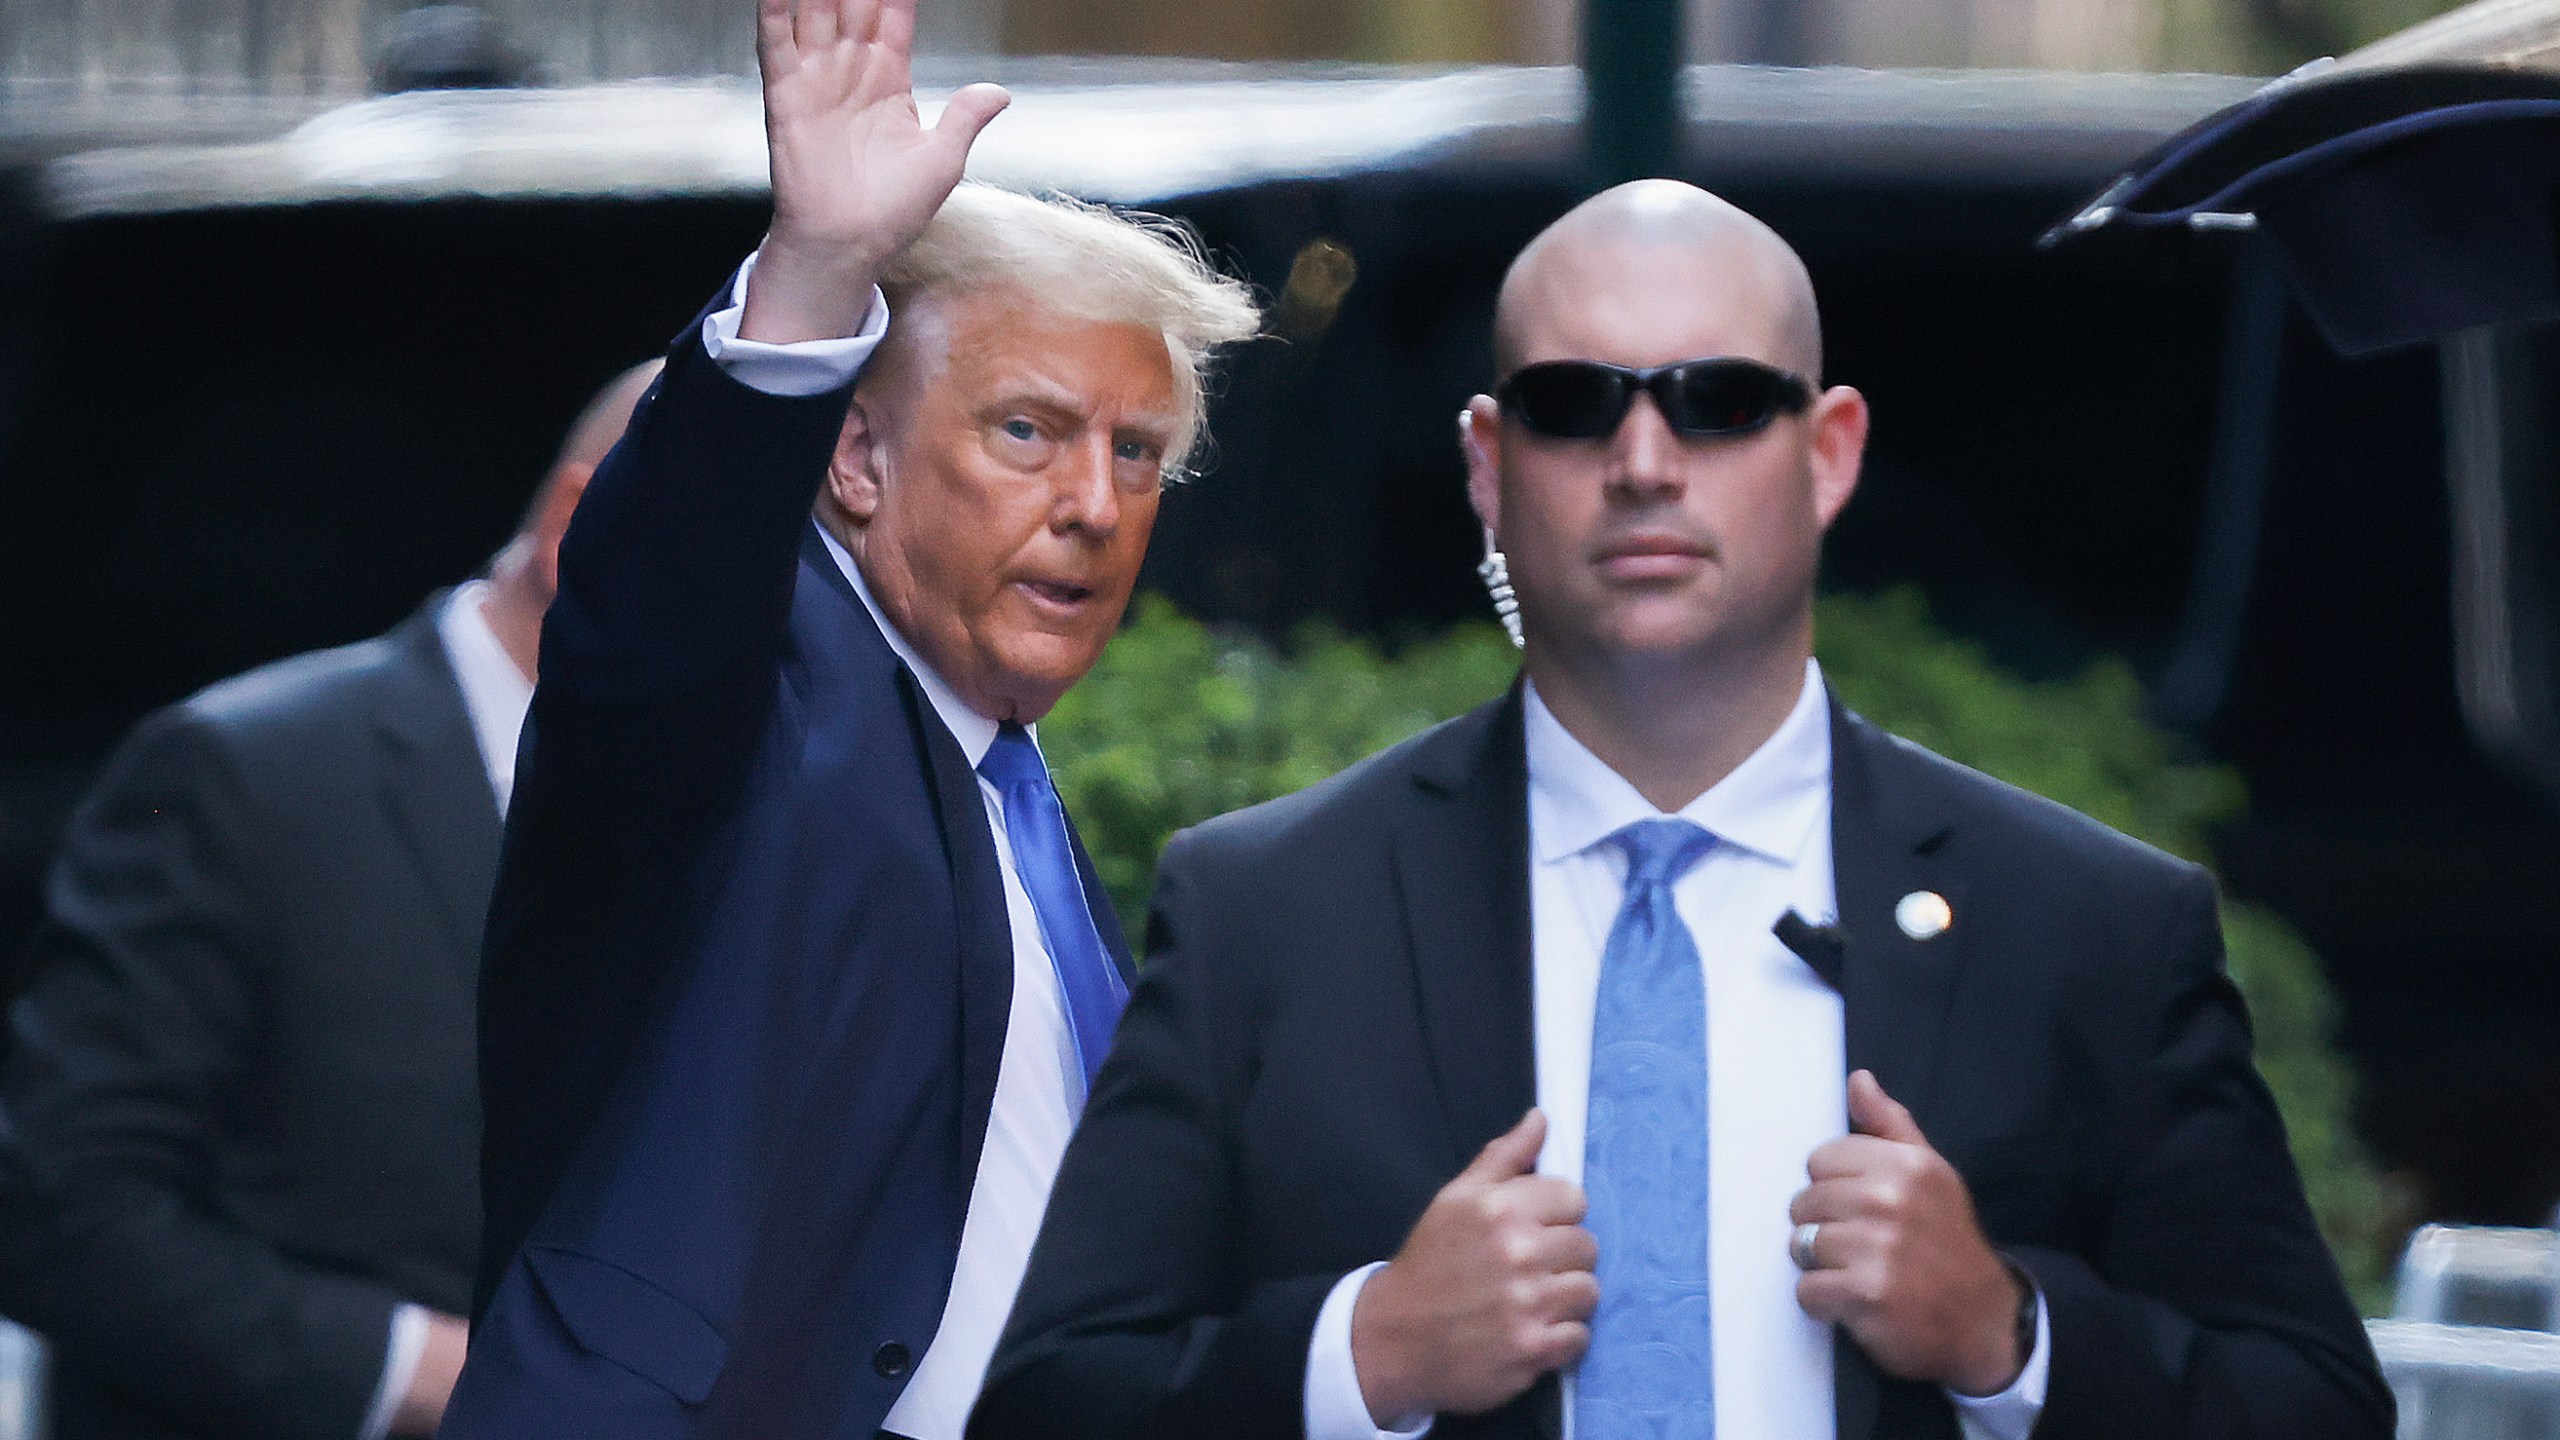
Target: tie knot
x,y
1661,851
1013,759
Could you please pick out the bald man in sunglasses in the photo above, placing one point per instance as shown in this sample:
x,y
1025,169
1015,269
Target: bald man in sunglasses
x,y
1661,1051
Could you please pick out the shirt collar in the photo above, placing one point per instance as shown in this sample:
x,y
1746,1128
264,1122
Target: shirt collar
x,y
495,693
1769,805
975,732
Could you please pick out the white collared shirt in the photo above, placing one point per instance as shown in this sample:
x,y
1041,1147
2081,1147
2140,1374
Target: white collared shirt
x,y
495,693
1776,1081
1776,1074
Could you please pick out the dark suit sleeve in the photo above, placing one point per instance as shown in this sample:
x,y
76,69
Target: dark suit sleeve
x,y
659,658
136,1035
677,570
2207,1305
1131,1322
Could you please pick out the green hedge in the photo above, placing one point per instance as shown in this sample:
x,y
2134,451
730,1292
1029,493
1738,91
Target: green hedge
x,y
1179,723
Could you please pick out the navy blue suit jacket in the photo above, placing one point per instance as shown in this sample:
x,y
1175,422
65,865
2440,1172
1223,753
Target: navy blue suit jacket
x,y
747,972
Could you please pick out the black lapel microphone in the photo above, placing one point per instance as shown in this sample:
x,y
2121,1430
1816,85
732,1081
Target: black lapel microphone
x,y
1821,947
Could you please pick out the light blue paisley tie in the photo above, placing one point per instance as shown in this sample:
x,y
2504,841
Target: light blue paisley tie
x,y
1649,1374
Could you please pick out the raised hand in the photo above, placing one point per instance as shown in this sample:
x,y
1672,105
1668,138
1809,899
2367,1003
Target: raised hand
x,y
1492,1289
1900,1261
855,173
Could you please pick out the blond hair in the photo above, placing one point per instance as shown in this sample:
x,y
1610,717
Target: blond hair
x,y
1091,263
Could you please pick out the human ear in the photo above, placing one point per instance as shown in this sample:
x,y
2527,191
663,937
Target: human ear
x,y
560,495
1837,450
1480,444
858,466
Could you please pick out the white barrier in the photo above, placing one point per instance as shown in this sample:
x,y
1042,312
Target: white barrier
x,y
2480,1275
2470,1349
21,1384
2470,1382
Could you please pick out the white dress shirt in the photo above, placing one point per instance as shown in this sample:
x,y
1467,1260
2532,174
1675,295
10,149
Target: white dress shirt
x,y
495,693
1776,1074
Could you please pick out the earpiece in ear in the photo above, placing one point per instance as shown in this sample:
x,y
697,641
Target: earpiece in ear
x,y
1496,573
1494,569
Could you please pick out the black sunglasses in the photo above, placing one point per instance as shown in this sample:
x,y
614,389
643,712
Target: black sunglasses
x,y
1585,399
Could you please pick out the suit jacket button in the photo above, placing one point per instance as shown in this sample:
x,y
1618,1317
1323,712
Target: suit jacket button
x,y
891,1360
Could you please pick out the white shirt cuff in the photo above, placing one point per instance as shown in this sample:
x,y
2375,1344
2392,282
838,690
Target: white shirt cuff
x,y
1335,1409
399,1366
2011,1414
810,367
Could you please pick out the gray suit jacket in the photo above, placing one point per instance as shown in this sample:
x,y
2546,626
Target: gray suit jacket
x,y
241,1120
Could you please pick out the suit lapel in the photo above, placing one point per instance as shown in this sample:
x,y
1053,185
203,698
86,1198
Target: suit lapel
x,y
1462,873
433,783
968,849
1461,858
977,887
1895,990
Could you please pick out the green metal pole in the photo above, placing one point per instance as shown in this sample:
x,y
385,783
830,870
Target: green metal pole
x,y
1631,61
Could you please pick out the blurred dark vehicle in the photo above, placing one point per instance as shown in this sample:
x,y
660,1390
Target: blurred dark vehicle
x,y
2408,195
262,395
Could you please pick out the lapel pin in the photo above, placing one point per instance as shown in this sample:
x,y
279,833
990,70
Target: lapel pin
x,y
1923,914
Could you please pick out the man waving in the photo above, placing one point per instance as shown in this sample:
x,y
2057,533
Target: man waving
x,y
796,973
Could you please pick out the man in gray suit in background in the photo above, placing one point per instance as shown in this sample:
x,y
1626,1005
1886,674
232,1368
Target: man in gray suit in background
x,y
238,1124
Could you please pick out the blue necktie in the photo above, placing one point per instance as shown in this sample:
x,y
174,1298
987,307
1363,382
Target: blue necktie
x,y
1037,827
1650,1371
